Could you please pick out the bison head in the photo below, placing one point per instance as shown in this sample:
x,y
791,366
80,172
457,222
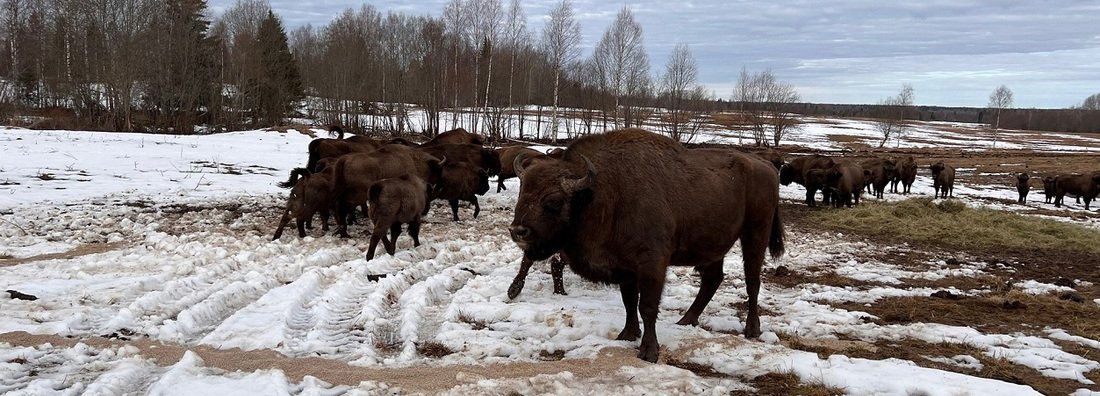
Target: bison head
x,y
491,159
552,193
786,174
937,168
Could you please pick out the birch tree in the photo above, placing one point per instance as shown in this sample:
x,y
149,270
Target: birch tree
x,y
678,89
560,38
623,62
1000,99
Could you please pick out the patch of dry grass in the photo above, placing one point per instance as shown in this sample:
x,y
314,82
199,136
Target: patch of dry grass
x,y
952,224
788,384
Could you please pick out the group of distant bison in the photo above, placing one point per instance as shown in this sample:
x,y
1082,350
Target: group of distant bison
x,y
619,207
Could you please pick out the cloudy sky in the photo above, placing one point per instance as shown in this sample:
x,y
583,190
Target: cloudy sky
x,y
953,52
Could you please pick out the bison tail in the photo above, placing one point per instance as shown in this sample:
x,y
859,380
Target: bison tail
x,y
775,241
311,163
294,175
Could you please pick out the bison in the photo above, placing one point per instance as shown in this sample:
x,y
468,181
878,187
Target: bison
x,y
331,148
1086,187
455,136
395,201
1048,188
1023,186
508,157
796,171
485,158
461,181
845,181
881,172
309,195
906,174
770,155
355,173
943,179
625,205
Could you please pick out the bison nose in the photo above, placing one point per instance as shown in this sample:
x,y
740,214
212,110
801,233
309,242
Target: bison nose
x,y
520,233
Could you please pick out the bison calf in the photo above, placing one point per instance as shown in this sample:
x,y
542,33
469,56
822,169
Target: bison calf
x,y
310,193
1023,186
462,181
943,179
395,201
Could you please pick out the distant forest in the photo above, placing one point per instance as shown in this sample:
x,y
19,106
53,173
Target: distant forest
x,y
169,66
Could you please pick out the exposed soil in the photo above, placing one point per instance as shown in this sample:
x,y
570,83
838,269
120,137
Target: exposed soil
x,y
82,250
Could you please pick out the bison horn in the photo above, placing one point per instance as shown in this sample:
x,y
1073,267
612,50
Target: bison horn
x,y
517,165
573,185
443,161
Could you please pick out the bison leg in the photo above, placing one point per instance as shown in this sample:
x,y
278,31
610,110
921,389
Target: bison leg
x,y
557,270
810,197
282,224
414,232
325,213
500,184
631,330
521,277
648,305
754,244
342,219
477,208
454,209
301,227
711,276
374,238
395,230
390,245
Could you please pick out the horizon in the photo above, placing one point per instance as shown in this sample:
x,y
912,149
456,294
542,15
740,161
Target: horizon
x,y
954,54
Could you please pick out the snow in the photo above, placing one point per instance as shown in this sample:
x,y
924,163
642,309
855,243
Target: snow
x,y
192,263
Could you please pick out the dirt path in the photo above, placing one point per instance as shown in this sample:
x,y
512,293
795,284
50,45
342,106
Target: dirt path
x,y
415,378
82,250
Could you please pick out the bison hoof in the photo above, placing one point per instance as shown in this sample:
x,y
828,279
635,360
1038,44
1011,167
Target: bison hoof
x,y
648,352
752,332
561,291
685,321
514,290
629,334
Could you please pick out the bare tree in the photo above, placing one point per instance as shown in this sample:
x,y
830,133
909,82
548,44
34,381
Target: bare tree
x,y
1091,103
560,38
892,114
622,61
679,91
765,101
1000,99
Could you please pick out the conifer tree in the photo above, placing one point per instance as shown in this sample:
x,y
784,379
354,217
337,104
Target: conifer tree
x,y
279,86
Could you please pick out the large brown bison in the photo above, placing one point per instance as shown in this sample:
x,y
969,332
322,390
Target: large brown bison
x,y
1023,186
881,172
906,174
508,158
455,136
1085,186
845,181
485,158
624,205
796,171
461,181
309,195
331,148
1048,188
395,201
943,179
355,173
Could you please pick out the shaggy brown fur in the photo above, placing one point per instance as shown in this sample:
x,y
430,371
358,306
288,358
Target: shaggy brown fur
x,y
943,179
797,169
693,205
354,174
395,201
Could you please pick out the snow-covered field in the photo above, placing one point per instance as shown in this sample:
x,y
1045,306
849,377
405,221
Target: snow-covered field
x,y
140,245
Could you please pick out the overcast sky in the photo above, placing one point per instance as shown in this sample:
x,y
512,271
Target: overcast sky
x,y
953,52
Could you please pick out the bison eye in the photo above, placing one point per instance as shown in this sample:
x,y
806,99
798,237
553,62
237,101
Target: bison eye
x,y
552,206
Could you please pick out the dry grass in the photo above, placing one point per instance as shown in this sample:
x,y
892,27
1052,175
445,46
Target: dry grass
x,y
919,351
952,224
787,384
433,349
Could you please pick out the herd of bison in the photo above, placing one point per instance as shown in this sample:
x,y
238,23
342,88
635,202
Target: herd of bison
x,y
617,208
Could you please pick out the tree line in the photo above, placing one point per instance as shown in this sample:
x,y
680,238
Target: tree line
x,y
169,66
